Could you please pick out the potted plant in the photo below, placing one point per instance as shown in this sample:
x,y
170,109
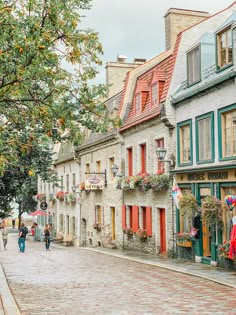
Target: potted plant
x,y
188,206
223,249
60,195
212,212
127,230
184,239
141,234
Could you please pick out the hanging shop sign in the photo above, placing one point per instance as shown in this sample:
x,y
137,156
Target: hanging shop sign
x,y
93,183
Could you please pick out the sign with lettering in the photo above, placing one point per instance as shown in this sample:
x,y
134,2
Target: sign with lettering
x,y
211,176
93,183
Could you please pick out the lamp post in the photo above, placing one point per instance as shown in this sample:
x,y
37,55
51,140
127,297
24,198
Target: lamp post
x,y
115,170
161,153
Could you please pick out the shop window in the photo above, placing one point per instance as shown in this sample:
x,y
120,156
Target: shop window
x,y
184,138
225,48
130,161
205,138
193,64
185,222
227,133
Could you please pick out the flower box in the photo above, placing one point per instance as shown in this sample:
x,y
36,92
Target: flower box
x,y
185,244
60,195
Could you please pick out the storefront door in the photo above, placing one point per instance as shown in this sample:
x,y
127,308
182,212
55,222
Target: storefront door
x,y
162,230
206,231
113,223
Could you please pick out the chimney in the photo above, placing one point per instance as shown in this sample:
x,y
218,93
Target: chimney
x,y
176,20
116,73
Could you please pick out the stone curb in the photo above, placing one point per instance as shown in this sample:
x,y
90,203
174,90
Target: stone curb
x,y
161,266
9,304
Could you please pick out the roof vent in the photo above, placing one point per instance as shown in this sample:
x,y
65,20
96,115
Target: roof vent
x,y
121,58
139,61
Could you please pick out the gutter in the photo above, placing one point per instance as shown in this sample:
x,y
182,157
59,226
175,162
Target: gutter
x,y
204,87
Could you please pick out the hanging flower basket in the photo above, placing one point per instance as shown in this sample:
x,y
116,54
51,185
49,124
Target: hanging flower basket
x,y
212,212
188,206
41,197
60,195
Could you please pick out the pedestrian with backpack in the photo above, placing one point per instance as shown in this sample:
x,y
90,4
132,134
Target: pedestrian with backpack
x,y
47,232
22,237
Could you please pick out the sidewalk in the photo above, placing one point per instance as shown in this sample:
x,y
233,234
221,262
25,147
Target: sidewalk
x,y
215,274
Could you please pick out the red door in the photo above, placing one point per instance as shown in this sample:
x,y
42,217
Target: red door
x,y
162,231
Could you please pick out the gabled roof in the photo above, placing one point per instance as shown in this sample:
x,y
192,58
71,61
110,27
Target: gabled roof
x,y
131,77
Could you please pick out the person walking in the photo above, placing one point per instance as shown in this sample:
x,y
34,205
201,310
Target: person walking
x,y
22,237
13,223
47,233
4,237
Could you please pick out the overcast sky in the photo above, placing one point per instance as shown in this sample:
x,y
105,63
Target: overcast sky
x,y
136,28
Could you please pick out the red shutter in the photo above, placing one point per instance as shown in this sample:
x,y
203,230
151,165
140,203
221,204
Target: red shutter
x,y
123,216
149,220
135,218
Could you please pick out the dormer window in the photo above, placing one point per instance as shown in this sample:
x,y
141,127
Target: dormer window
x,y
193,64
138,103
224,47
154,94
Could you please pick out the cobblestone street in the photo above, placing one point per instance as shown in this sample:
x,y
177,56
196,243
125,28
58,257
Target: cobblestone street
x,y
78,281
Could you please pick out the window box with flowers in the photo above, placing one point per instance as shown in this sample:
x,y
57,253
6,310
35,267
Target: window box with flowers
x,y
60,195
144,184
41,197
159,182
184,239
141,234
127,230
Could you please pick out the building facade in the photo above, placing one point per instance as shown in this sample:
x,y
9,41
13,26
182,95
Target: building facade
x,y
204,105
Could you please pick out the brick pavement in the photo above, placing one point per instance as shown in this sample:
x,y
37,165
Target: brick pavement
x,y
73,281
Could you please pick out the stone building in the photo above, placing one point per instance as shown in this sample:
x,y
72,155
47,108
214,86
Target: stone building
x,y
100,203
204,104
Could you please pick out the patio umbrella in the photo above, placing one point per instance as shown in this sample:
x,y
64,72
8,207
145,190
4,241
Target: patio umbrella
x,y
38,212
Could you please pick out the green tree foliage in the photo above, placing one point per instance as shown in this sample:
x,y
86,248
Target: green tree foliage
x,y
18,184
46,62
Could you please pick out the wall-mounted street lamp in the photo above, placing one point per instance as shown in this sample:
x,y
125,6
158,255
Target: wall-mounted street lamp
x,y
161,153
73,188
115,170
